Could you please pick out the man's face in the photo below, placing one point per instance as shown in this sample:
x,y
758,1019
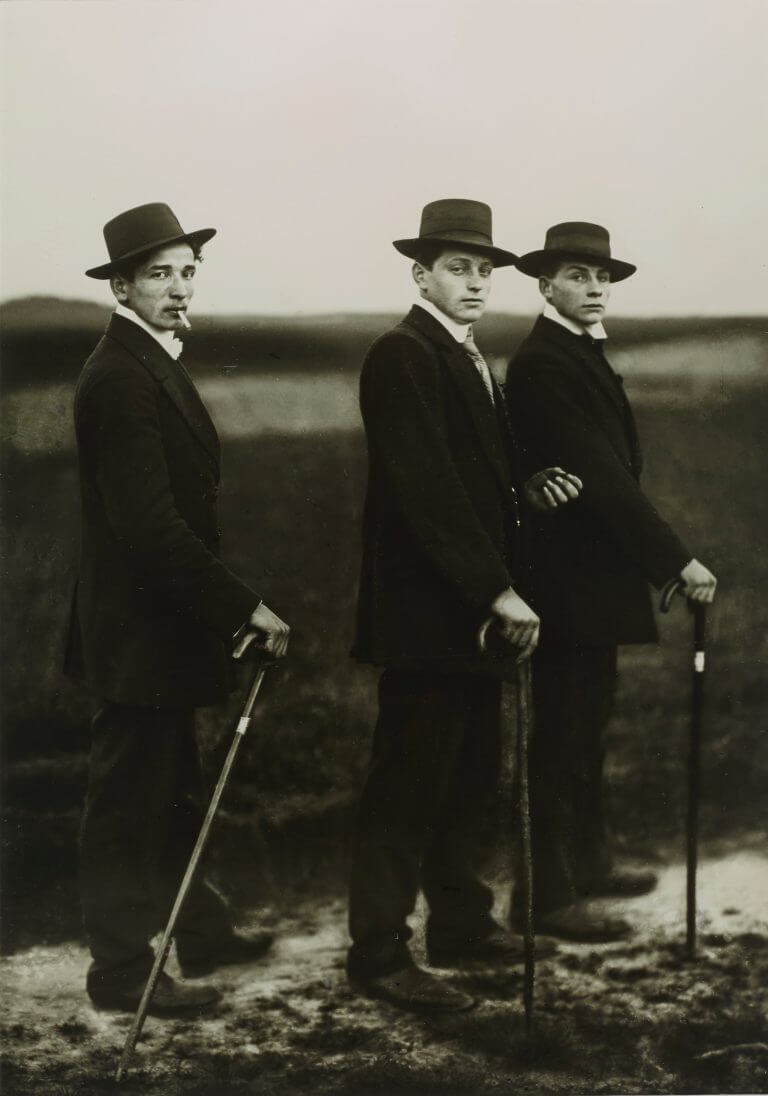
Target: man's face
x,y
458,284
579,291
162,287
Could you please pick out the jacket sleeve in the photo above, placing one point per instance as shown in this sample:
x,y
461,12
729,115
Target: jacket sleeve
x,y
121,417
546,402
401,406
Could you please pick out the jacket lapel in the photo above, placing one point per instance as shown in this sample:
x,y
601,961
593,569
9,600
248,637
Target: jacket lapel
x,y
470,384
172,378
603,381
629,420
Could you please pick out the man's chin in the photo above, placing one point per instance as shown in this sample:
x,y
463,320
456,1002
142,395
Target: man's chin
x,y
469,315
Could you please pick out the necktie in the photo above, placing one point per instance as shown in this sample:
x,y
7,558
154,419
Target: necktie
x,y
480,362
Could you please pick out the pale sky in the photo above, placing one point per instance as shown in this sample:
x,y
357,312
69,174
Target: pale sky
x,y
311,132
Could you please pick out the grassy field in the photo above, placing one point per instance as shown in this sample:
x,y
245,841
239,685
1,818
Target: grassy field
x,y
291,511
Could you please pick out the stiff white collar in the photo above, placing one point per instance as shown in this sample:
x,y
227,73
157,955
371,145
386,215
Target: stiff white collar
x,y
170,345
458,331
596,330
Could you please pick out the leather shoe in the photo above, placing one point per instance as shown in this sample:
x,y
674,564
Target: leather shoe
x,y
415,989
501,945
170,998
579,923
240,947
625,882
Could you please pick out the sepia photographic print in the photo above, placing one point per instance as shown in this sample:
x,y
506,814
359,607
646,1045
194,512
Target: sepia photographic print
x,y
384,570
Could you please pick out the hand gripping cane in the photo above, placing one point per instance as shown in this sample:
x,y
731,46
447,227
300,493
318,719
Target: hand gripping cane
x,y
524,722
699,611
165,943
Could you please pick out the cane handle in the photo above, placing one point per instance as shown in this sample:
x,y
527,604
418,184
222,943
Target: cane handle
x,y
674,586
482,640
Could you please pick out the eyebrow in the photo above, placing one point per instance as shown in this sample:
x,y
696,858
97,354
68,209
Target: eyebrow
x,y
169,266
584,267
469,259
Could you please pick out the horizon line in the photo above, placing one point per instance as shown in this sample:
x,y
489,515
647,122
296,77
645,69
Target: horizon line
x,y
330,314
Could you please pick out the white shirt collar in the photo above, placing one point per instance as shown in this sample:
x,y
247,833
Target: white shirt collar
x,y
596,330
166,339
458,331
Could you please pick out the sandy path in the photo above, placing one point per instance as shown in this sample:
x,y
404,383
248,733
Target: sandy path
x,y
630,1017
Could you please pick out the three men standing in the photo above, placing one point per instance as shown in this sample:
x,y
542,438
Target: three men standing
x,y
592,566
442,552
154,622
157,613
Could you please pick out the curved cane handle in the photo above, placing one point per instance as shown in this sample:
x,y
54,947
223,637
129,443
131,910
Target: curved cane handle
x,y
482,640
674,586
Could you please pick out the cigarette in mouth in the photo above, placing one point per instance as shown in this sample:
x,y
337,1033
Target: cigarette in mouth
x,y
184,320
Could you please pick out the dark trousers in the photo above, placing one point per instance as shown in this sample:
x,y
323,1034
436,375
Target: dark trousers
x,y
433,771
573,695
143,811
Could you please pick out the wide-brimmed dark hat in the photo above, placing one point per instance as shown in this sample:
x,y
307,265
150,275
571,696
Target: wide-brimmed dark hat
x,y
144,228
457,221
576,240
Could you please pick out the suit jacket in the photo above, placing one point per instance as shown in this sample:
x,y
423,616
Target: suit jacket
x,y
155,609
441,535
594,558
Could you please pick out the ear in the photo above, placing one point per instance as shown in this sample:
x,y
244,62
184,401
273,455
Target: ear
x,y
417,272
118,285
545,288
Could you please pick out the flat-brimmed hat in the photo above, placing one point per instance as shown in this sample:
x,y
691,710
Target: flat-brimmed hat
x,y
144,228
576,240
457,221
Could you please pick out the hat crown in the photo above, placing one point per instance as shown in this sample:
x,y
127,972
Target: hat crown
x,y
140,227
452,215
456,221
579,237
141,230
576,240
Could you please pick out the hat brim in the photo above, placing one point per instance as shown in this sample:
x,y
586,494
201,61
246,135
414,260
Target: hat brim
x,y
194,239
534,261
411,248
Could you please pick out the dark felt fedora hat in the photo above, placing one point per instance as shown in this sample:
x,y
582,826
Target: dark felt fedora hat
x,y
576,240
457,221
144,228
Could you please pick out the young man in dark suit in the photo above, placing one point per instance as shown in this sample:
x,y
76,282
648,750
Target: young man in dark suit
x,y
592,566
154,622
442,552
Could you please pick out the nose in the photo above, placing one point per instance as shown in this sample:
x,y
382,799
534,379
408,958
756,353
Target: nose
x,y
596,287
474,281
179,288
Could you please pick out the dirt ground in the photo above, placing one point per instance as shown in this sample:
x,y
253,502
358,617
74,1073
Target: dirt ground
x,y
634,1017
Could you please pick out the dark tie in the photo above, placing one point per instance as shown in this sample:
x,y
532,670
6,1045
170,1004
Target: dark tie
x,y
480,362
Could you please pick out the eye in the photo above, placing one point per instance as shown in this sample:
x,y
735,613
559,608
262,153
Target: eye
x,y
159,274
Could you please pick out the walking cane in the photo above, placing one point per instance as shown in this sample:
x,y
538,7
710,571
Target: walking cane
x,y
524,722
165,943
699,611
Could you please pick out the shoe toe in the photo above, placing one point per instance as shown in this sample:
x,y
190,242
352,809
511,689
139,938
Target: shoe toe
x,y
416,989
